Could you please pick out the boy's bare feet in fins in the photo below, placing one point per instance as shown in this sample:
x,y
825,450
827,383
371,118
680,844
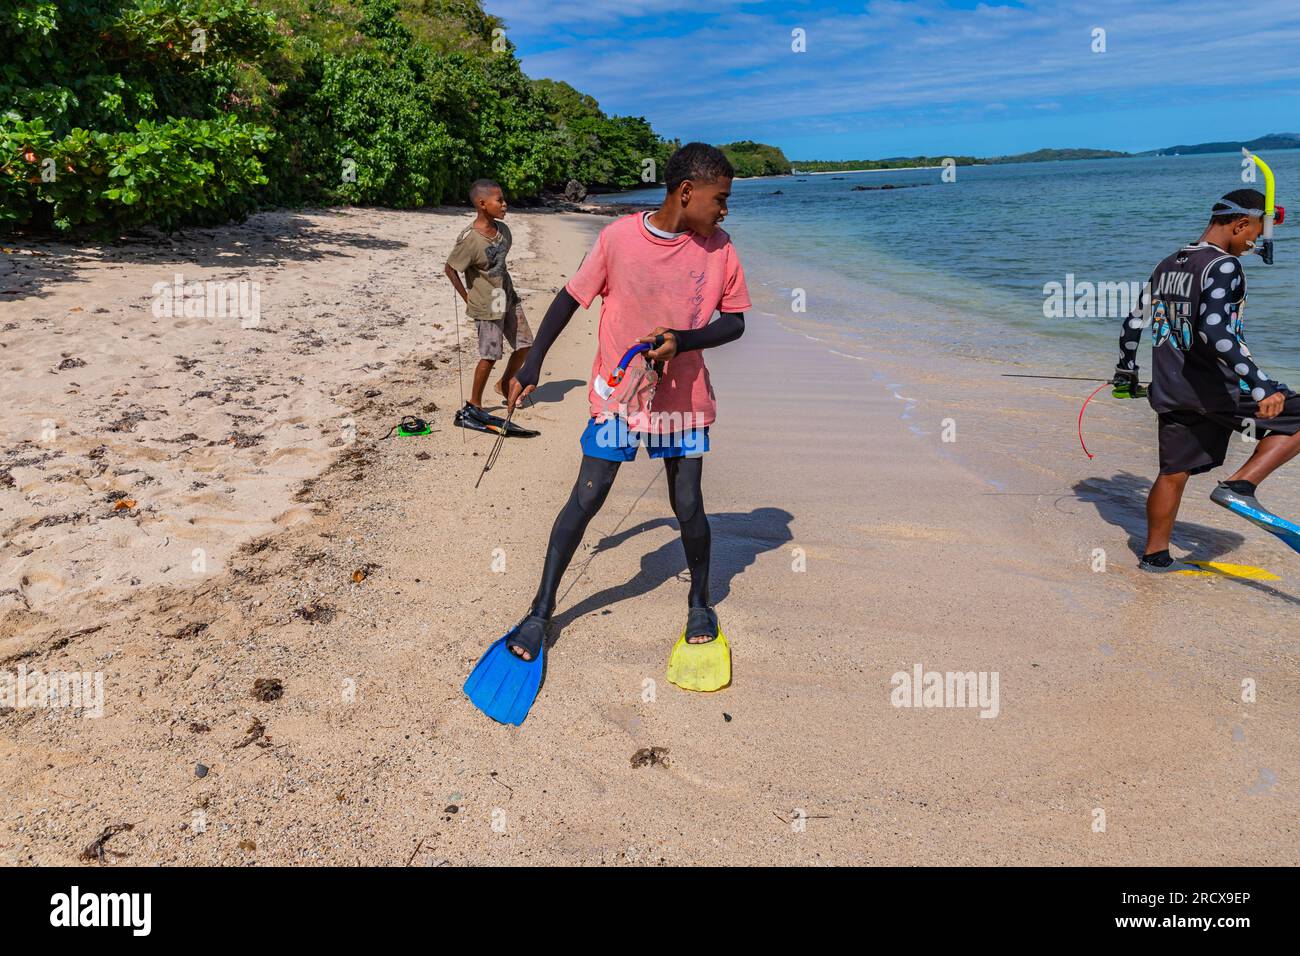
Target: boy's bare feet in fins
x,y
701,625
528,637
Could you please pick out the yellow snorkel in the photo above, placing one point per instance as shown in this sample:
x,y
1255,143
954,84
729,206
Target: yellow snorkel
x,y
1270,207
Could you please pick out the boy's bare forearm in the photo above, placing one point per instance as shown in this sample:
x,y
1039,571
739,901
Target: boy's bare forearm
x,y
456,284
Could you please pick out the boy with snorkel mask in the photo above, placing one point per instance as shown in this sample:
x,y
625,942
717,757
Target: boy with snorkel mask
x,y
1205,383
661,276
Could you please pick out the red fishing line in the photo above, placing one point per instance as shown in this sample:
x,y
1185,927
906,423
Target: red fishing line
x,y
1081,411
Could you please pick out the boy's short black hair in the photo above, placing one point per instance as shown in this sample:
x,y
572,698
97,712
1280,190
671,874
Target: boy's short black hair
x,y
480,187
1245,198
698,162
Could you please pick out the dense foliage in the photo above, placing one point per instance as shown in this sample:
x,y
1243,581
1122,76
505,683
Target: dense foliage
x,y
121,113
605,152
756,159
115,113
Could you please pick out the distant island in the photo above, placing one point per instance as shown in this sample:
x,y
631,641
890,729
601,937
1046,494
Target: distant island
x,y
913,162
1272,141
1056,155
893,162
756,159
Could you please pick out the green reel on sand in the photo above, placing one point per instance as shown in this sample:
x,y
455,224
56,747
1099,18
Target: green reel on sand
x,y
409,427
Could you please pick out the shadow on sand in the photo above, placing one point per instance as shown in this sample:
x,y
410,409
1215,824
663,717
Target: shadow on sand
x,y
555,391
264,240
1121,501
738,539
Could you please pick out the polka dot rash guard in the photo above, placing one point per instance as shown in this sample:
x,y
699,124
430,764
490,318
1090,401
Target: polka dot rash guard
x,y
1195,304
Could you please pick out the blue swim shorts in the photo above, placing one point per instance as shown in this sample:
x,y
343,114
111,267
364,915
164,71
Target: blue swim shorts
x,y
612,441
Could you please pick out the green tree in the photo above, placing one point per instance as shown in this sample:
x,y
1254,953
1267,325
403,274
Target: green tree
x,y
117,113
598,150
756,159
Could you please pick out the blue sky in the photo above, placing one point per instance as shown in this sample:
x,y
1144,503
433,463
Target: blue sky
x,y
936,77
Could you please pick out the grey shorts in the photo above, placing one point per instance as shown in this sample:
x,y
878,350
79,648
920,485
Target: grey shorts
x,y
512,328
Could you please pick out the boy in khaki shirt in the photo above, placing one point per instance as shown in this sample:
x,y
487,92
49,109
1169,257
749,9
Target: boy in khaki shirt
x,y
490,300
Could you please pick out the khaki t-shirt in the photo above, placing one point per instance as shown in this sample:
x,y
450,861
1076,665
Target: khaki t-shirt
x,y
483,263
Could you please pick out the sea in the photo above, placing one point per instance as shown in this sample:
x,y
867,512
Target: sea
x,y
1028,266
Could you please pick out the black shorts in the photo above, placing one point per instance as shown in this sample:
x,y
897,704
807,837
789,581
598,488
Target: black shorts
x,y
1196,442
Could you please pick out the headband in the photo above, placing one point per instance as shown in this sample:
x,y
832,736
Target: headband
x,y
1230,206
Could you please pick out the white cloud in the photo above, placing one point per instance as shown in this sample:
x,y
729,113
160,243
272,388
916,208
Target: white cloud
x,y
689,66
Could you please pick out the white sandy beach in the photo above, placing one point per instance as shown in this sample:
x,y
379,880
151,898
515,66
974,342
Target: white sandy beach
x,y
365,576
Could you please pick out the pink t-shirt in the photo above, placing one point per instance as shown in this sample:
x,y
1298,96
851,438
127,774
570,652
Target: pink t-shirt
x,y
645,281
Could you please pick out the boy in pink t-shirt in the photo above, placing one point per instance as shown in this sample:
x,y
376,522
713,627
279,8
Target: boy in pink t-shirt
x,y
661,276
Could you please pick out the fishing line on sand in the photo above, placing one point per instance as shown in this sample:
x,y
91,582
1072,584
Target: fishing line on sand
x,y
583,570
460,369
1059,378
495,453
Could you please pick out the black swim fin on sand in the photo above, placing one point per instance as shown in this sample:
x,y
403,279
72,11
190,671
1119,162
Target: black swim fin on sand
x,y
478,420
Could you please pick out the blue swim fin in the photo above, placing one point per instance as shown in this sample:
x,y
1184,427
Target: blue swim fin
x,y
1248,507
503,685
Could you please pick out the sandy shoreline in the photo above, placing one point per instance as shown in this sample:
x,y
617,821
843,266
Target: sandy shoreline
x,y
202,423
851,543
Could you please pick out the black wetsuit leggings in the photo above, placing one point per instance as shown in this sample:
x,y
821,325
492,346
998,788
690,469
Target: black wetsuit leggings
x,y
595,478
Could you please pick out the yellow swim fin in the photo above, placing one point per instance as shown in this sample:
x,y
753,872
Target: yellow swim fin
x,y
1243,571
703,667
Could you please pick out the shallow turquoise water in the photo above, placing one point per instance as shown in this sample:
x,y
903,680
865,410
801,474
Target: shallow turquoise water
x,y
962,266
